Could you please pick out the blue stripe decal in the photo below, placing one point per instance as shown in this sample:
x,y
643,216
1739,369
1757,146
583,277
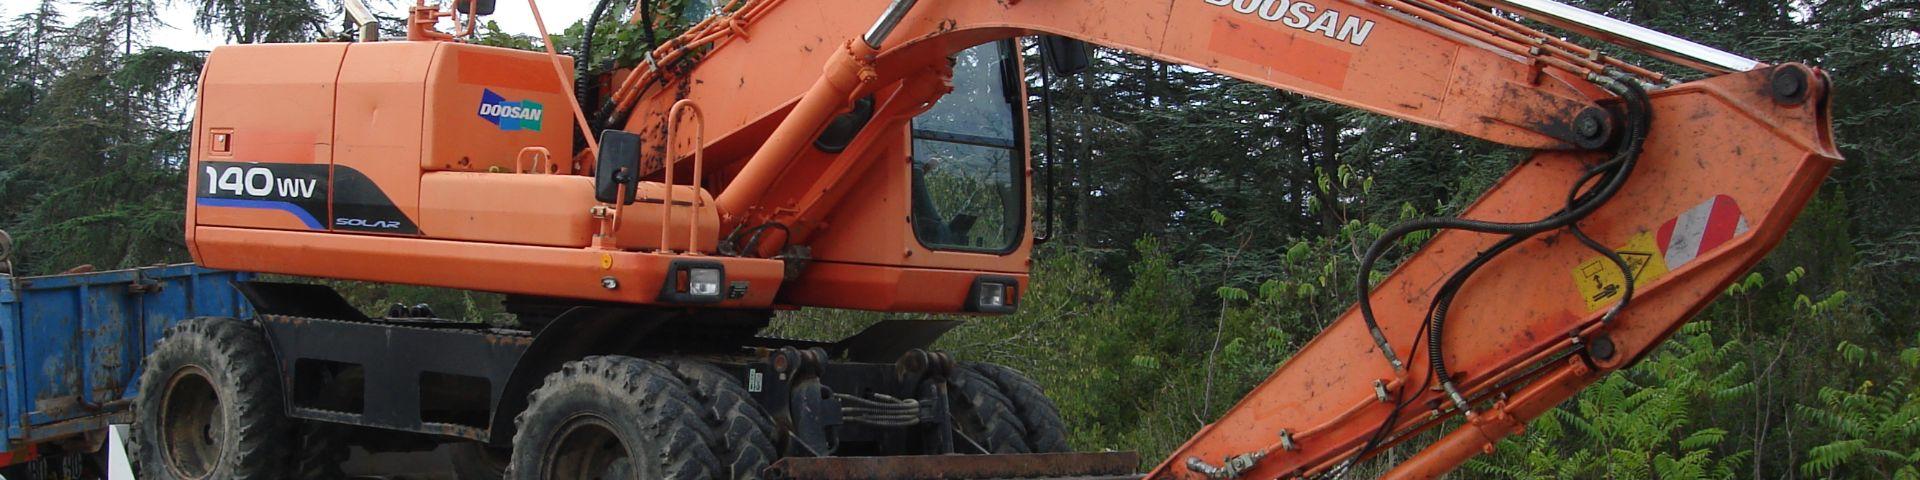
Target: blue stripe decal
x,y
265,204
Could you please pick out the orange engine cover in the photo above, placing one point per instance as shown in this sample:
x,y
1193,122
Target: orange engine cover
x,y
336,136
432,163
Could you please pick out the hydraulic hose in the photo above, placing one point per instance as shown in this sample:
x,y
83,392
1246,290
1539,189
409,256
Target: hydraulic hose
x,y
1639,120
1625,157
1612,174
583,88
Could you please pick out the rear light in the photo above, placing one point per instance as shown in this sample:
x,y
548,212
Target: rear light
x,y
693,281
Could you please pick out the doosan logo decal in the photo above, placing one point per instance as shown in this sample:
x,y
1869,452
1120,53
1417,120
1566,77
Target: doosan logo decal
x,y
1303,15
510,116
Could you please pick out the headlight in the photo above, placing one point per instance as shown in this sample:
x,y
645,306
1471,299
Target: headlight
x,y
994,294
704,282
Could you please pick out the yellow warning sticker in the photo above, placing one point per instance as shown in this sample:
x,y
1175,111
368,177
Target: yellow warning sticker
x,y
1600,281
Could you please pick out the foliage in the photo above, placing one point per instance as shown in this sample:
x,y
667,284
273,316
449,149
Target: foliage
x,y
87,118
1639,424
1876,428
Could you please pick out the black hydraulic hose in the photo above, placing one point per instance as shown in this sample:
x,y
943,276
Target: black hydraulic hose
x,y
583,88
1626,271
1626,156
752,237
646,24
1640,117
1443,304
1612,173
1439,307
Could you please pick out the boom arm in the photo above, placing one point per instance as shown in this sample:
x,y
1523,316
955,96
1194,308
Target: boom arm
x,y
1718,175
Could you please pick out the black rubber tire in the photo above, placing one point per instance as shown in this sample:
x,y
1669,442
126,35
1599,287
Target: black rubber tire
x,y
477,461
232,359
984,414
1045,431
746,433
317,451
641,404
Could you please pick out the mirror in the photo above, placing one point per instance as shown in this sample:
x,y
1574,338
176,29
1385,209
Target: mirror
x,y
1067,57
474,7
616,170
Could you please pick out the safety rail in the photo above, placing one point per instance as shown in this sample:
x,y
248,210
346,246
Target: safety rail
x,y
672,157
541,157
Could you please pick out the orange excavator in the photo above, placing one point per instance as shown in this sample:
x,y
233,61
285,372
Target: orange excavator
x,y
645,222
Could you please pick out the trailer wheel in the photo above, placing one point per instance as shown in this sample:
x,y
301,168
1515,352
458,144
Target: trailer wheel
x,y
1045,431
210,405
746,432
612,417
983,414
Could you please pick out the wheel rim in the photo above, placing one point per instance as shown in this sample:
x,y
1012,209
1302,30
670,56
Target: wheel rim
x,y
587,449
192,424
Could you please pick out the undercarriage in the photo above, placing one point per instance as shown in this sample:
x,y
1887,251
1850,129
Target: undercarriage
x,y
559,393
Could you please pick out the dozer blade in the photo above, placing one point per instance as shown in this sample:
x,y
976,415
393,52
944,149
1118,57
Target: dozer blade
x,y
1056,466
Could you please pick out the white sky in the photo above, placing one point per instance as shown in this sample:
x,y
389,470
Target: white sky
x,y
179,34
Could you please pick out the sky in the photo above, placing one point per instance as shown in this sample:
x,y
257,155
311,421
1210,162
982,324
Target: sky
x,y
178,32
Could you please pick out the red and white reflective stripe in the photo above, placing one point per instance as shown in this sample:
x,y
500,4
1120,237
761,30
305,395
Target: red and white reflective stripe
x,y
1700,230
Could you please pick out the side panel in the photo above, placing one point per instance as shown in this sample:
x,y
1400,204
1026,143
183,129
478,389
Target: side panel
x,y
265,120
377,132
486,104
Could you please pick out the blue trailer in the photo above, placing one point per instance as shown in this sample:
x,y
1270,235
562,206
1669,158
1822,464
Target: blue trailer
x,y
71,347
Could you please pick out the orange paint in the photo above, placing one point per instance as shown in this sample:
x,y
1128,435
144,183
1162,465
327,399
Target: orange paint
x,y
517,71
1283,51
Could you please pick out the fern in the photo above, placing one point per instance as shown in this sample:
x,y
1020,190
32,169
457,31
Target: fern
x,y
1875,428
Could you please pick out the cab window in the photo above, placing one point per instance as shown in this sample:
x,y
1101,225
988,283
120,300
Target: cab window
x,y
968,191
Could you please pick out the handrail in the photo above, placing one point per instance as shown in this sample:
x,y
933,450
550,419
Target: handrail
x,y
541,156
699,161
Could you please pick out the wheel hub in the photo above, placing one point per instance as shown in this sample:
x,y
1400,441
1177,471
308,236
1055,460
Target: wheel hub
x,y
587,448
192,423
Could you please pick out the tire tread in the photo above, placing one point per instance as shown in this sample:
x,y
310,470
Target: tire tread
x,y
1045,430
236,354
650,394
985,414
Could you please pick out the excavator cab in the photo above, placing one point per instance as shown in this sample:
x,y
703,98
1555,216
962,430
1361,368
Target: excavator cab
x,y
969,157
964,194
